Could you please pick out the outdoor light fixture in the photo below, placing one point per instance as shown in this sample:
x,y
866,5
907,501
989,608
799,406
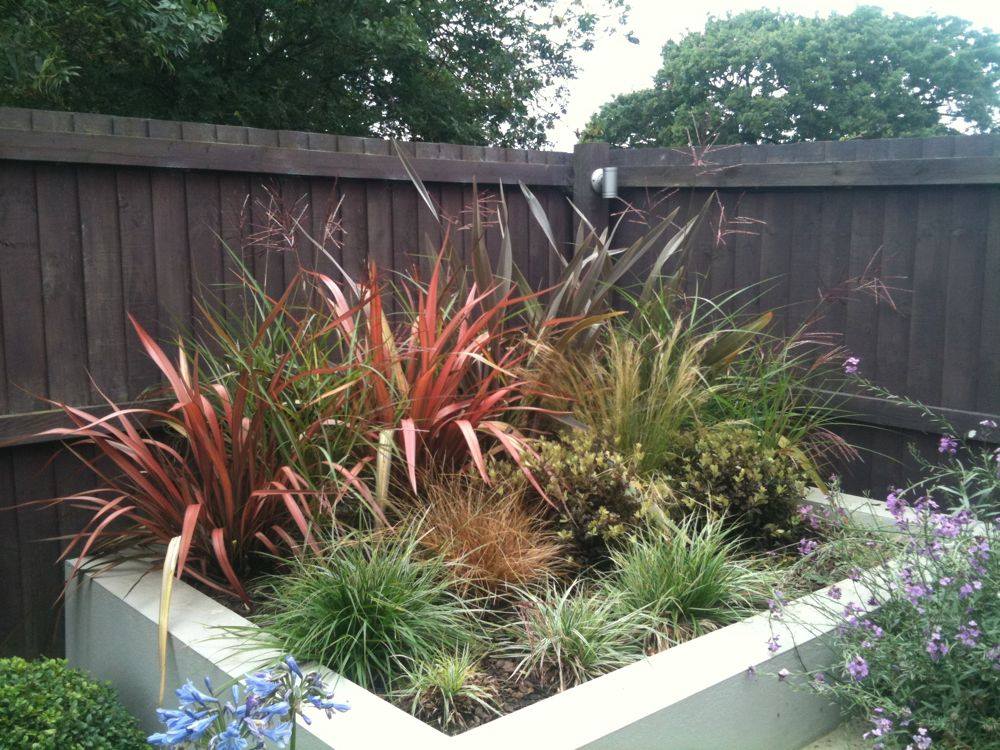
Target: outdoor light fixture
x,y
605,182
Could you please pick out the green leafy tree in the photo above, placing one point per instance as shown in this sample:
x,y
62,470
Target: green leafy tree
x,y
470,71
55,51
766,76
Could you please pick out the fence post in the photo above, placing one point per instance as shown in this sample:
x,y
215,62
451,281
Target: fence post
x,y
586,158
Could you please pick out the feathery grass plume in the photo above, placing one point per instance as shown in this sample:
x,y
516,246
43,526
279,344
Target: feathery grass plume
x,y
494,539
689,577
780,384
573,635
640,393
443,686
364,605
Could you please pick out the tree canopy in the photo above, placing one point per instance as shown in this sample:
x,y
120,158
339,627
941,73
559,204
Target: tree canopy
x,y
471,71
771,77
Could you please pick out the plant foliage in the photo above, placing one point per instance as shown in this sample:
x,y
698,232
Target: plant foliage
x,y
733,473
599,496
491,533
572,635
44,705
366,606
690,577
765,76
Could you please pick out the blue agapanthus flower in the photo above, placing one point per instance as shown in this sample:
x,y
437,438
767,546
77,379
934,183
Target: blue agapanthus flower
x,y
259,711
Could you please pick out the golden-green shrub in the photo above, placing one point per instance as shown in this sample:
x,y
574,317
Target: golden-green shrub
x,y
733,472
596,487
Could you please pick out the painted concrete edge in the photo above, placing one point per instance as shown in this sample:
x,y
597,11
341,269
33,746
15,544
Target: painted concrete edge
x,y
111,631
631,707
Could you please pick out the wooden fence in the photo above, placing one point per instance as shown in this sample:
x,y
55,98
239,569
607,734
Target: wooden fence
x,y
102,216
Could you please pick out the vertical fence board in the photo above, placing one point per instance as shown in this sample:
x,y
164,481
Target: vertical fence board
x,y
139,288
102,274
62,283
13,612
21,290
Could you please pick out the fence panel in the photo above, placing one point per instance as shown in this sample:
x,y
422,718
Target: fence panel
x,y
102,217
802,220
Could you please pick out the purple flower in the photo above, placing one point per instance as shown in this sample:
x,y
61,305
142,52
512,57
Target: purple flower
x,y
874,629
936,646
948,444
772,644
819,678
881,725
990,423
851,365
834,592
921,741
966,589
968,634
915,592
895,504
807,546
994,655
857,667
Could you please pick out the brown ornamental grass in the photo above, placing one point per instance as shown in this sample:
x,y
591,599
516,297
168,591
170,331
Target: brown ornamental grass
x,y
490,532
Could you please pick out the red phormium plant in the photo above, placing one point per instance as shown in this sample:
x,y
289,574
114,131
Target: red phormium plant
x,y
205,468
448,377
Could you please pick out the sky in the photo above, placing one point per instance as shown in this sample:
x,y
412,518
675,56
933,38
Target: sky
x,y
615,66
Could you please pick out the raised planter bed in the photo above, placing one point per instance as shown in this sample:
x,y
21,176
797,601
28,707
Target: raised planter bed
x,y
716,691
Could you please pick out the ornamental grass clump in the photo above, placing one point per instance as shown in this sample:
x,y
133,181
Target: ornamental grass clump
x,y
45,705
447,379
920,659
570,635
639,393
494,536
445,688
690,577
366,604
207,466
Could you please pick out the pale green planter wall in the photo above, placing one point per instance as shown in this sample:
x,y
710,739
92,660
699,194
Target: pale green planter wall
x,y
696,696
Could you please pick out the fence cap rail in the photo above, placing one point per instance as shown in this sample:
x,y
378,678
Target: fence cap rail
x,y
117,150
980,170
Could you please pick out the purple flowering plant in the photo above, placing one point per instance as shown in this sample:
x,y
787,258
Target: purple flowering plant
x,y
967,474
918,634
257,712
833,546
965,471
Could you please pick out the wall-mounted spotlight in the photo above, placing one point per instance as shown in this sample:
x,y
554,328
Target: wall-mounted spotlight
x,y
605,182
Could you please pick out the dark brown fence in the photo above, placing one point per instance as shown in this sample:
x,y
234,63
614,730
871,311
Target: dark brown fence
x,y
920,215
102,216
